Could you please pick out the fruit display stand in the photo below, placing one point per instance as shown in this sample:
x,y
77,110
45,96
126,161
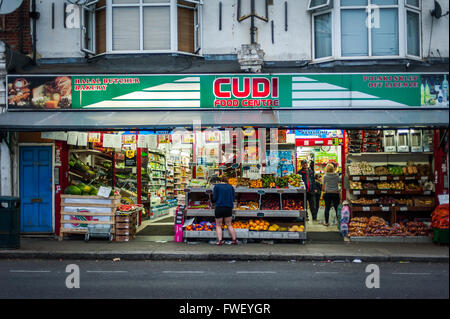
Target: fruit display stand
x,y
193,194
77,212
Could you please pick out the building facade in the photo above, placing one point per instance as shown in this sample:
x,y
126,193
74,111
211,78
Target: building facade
x,y
292,38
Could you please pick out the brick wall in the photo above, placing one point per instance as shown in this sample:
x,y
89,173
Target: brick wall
x,y
9,28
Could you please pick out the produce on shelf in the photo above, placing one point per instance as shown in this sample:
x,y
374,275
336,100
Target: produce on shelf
x,y
240,225
369,186
296,228
395,170
295,180
386,201
361,168
281,182
199,205
232,181
424,170
364,201
202,226
291,204
248,205
270,202
439,218
405,201
411,169
381,170
268,181
424,202
258,224
377,226
397,185
355,185
256,183
384,185
243,182
413,187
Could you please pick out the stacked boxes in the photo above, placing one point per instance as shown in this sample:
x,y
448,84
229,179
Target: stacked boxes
x,y
126,226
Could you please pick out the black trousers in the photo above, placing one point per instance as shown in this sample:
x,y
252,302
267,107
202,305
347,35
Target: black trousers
x,y
331,200
311,199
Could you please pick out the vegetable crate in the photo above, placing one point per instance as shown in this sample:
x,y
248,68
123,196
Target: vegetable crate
x,y
78,212
440,236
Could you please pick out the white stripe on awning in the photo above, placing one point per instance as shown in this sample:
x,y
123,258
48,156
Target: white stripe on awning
x,y
149,119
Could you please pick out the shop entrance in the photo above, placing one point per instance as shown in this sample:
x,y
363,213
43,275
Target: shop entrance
x,y
36,189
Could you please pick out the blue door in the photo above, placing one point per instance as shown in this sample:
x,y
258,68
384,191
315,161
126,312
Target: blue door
x,y
36,189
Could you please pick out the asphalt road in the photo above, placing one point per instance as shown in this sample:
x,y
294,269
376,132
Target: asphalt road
x,y
220,280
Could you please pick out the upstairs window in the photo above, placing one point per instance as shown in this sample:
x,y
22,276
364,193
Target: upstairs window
x,y
366,29
133,26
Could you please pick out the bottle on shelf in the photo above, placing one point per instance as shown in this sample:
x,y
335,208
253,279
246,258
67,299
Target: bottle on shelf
x,y
444,90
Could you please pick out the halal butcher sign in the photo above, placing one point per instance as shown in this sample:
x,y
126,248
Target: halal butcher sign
x,y
247,92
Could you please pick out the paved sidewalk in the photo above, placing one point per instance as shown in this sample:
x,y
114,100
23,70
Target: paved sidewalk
x,y
46,248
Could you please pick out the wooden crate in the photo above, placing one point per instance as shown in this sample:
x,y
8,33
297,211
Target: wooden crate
x,y
125,227
79,211
121,238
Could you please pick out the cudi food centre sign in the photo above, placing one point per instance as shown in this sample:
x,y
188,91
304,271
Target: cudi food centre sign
x,y
227,91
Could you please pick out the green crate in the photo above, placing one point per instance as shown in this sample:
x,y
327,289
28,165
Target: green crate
x,y
440,236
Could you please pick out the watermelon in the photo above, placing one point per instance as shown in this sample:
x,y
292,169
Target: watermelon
x,y
72,190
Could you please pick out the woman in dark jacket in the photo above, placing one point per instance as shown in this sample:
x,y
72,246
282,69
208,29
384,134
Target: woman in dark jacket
x,y
318,191
308,178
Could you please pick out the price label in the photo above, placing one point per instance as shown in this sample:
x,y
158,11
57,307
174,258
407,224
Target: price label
x,y
409,178
104,191
385,209
427,193
261,192
366,209
403,209
383,178
383,192
356,192
370,192
397,192
424,178
396,178
356,178
259,214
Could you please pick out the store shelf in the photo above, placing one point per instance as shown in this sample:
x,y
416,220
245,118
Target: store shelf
x,y
392,239
249,213
390,153
388,192
270,213
246,234
389,178
93,152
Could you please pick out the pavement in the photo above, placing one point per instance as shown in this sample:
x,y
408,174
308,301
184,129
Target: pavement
x,y
98,249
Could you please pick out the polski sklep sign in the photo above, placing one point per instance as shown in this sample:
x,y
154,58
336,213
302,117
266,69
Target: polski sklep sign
x,y
227,91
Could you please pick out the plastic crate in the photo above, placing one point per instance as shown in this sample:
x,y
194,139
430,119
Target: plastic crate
x,y
9,222
440,236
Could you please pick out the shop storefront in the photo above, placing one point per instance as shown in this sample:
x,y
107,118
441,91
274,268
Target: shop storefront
x,y
155,143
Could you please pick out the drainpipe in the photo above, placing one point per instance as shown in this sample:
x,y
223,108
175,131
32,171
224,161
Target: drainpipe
x,y
34,15
252,22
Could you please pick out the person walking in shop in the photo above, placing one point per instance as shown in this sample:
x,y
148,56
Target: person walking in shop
x,y
308,178
223,197
330,188
317,191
